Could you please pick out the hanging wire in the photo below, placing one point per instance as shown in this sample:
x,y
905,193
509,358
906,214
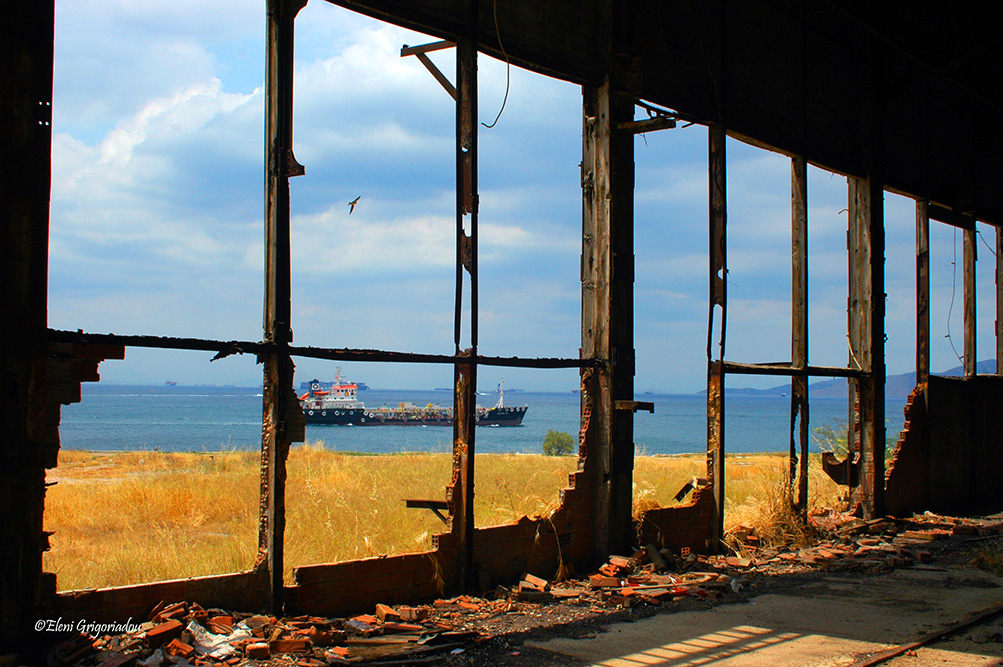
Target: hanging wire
x,y
986,243
954,289
508,69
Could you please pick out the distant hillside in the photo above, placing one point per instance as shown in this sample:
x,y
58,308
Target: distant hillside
x,y
896,386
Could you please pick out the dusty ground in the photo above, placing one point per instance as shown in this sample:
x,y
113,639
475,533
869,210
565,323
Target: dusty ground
x,y
816,618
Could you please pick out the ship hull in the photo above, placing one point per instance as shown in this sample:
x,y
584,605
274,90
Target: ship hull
x,y
504,416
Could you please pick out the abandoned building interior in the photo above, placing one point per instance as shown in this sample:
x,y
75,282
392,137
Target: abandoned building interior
x,y
895,98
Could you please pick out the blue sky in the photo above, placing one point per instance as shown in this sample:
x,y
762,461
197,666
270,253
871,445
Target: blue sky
x,y
157,209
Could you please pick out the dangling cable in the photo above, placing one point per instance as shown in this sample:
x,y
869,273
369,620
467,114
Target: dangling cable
x,y
986,243
508,68
954,288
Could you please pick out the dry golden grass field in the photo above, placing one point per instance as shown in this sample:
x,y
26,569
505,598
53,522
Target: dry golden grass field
x,y
129,517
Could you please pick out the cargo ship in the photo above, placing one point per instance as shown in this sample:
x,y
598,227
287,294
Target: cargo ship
x,y
337,404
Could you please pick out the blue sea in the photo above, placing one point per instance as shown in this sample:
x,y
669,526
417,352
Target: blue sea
x,y
201,418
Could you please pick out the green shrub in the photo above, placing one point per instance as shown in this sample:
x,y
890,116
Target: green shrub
x,y
558,443
833,438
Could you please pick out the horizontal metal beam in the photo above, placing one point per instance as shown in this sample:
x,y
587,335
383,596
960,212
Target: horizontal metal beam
x,y
950,216
786,369
648,124
160,342
426,48
227,348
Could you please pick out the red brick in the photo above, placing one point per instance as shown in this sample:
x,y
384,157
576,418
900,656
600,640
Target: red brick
x,y
538,583
179,648
163,633
289,645
222,622
385,613
401,627
413,613
600,581
257,651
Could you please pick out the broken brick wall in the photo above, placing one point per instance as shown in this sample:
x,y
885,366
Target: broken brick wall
x,y
502,554
951,461
690,525
242,590
906,477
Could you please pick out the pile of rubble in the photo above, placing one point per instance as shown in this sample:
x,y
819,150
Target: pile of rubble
x,y
849,543
184,634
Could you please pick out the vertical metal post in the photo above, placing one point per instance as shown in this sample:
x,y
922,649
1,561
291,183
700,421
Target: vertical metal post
x,y
718,215
608,309
26,51
999,301
597,396
799,326
867,314
621,313
282,420
922,292
970,360
465,374
853,330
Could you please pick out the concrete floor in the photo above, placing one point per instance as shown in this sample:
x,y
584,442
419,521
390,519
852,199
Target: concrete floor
x,y
833,622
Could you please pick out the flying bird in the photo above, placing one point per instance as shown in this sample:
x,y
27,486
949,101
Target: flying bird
x,y
352,204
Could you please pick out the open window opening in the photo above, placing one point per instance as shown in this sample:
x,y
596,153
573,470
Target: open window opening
x,y
155,482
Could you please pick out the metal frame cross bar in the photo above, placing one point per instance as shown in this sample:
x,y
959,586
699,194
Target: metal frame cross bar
x,y
419,53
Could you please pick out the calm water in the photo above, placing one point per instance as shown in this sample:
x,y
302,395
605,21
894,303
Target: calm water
x,y
121,417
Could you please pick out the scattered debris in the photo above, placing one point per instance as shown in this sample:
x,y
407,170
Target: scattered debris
x,y
183,634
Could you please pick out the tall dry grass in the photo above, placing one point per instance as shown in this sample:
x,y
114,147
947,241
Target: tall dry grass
x,y
132,517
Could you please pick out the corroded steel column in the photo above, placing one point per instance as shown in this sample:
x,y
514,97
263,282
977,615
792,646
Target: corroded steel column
x,y
717,323
970,358
999,301
922,292
607,310
26,48
866,335
282,419
465,373
799,327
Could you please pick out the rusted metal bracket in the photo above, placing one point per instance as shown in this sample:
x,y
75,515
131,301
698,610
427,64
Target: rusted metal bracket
x,y
845,472
648,124
437,507
634,406
658,119
293,167
419,53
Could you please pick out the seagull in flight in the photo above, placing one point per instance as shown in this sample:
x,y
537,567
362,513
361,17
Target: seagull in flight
x,y
352,204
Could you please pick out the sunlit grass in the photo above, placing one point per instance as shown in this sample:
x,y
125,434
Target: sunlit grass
x,y
130,517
